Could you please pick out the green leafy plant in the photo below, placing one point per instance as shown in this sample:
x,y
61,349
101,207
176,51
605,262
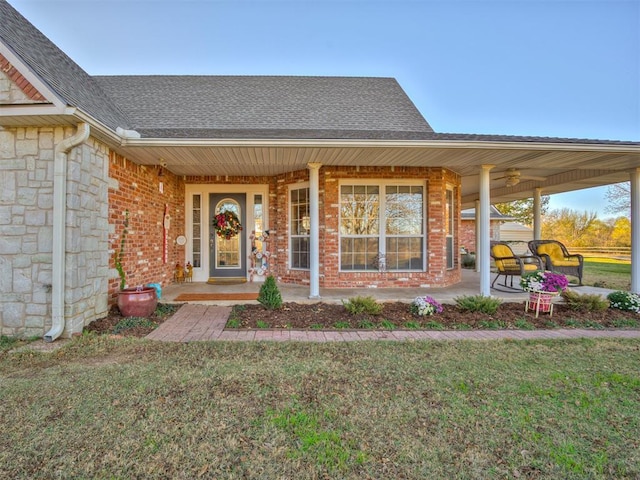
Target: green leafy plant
x,y
262,324
433,325
233,323
341,325
585,302
388,325
411,325
269,295
524,324
118,255
492,324
133,322
625,301
478,303
625,323
358,305
366,324
164,309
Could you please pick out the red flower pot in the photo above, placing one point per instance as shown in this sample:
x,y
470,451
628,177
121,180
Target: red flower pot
x,y
134,302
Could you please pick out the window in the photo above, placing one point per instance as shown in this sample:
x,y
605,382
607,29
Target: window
x,y
449,221
364,245
404,227
196,231
299,227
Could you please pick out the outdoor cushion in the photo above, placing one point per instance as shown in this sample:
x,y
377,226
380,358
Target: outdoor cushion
x,y
566,263
553,250
530,267
502,251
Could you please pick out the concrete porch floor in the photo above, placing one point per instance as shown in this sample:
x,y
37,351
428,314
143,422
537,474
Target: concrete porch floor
x,y
470,285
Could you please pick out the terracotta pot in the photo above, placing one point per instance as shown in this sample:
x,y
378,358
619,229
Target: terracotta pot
x,y
134,302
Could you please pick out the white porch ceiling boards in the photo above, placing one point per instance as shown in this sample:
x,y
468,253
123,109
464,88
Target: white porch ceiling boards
x,y
566,166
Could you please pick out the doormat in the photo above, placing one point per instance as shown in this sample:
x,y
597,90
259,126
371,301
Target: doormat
x,y
227,280
195,297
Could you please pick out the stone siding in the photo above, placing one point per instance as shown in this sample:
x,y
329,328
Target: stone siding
x,y
14,88
26,228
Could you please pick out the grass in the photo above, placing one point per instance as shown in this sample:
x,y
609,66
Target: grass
x,y
102,408
607,272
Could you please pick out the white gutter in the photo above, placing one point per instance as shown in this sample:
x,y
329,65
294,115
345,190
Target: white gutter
x,y
60,229
631,147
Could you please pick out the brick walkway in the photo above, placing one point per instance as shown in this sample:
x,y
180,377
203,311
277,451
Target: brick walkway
x,y
206,322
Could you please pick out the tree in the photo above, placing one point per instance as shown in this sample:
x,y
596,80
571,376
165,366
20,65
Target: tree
x,y
572,227
522,210
621,234
619,197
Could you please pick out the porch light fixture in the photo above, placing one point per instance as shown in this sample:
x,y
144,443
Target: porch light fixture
x,y
161,168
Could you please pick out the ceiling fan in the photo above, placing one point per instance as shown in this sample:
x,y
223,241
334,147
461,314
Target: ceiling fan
x,y
512,177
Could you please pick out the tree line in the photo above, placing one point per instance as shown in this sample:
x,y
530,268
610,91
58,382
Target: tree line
x,y
580,228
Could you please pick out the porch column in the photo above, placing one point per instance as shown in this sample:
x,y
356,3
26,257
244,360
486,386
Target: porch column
x,y
537,213
484,243
477,245
635,230
314,230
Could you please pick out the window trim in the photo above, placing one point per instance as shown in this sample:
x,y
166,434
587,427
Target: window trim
x,y
290,188
382,234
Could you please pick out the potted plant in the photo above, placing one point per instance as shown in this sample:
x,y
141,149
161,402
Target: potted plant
x,y
137,301
542,287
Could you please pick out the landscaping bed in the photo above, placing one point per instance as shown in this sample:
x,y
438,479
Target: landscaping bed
x,y
397,315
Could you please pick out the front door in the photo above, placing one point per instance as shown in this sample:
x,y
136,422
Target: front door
x,y
228,255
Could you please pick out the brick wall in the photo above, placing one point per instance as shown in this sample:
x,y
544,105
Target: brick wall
x,y
468,233
436,180
136,188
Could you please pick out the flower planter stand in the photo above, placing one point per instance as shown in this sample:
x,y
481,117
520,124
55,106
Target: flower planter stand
x,y
540,302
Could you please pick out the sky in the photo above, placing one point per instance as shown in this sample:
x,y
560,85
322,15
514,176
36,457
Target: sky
x,y
556,68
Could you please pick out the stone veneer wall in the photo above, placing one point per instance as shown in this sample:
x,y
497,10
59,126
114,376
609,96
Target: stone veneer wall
x,y
26,228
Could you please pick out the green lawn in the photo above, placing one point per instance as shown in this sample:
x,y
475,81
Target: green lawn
x,y
607,273
129,408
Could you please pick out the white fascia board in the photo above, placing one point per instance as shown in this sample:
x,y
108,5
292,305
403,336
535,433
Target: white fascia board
x,y
32,77
452,144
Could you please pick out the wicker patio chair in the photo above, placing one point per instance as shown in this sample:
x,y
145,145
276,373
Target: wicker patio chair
x,y
557,258
510,264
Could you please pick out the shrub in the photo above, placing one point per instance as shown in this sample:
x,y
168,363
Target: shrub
x,y
625,301
357,305
269,295
587,302
478,303
426,305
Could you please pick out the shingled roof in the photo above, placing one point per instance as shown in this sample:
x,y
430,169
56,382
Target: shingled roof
x,y
74,86
235,107
266,106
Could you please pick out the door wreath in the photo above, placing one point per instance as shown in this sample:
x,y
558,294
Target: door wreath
x,y
227,224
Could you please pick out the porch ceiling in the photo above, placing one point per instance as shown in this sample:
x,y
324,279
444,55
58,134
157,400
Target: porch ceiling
x,y
565,167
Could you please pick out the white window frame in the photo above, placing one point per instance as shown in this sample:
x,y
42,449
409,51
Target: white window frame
x,y
382,234
290,234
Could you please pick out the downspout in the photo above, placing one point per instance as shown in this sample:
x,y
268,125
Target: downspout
x,y
60,229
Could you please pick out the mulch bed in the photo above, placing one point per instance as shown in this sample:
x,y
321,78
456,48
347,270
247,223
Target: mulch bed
x,y
326,316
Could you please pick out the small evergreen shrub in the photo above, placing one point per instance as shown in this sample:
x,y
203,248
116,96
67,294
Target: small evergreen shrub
x,y
269,295
625,301
358,305
585,302
478,303
423,306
